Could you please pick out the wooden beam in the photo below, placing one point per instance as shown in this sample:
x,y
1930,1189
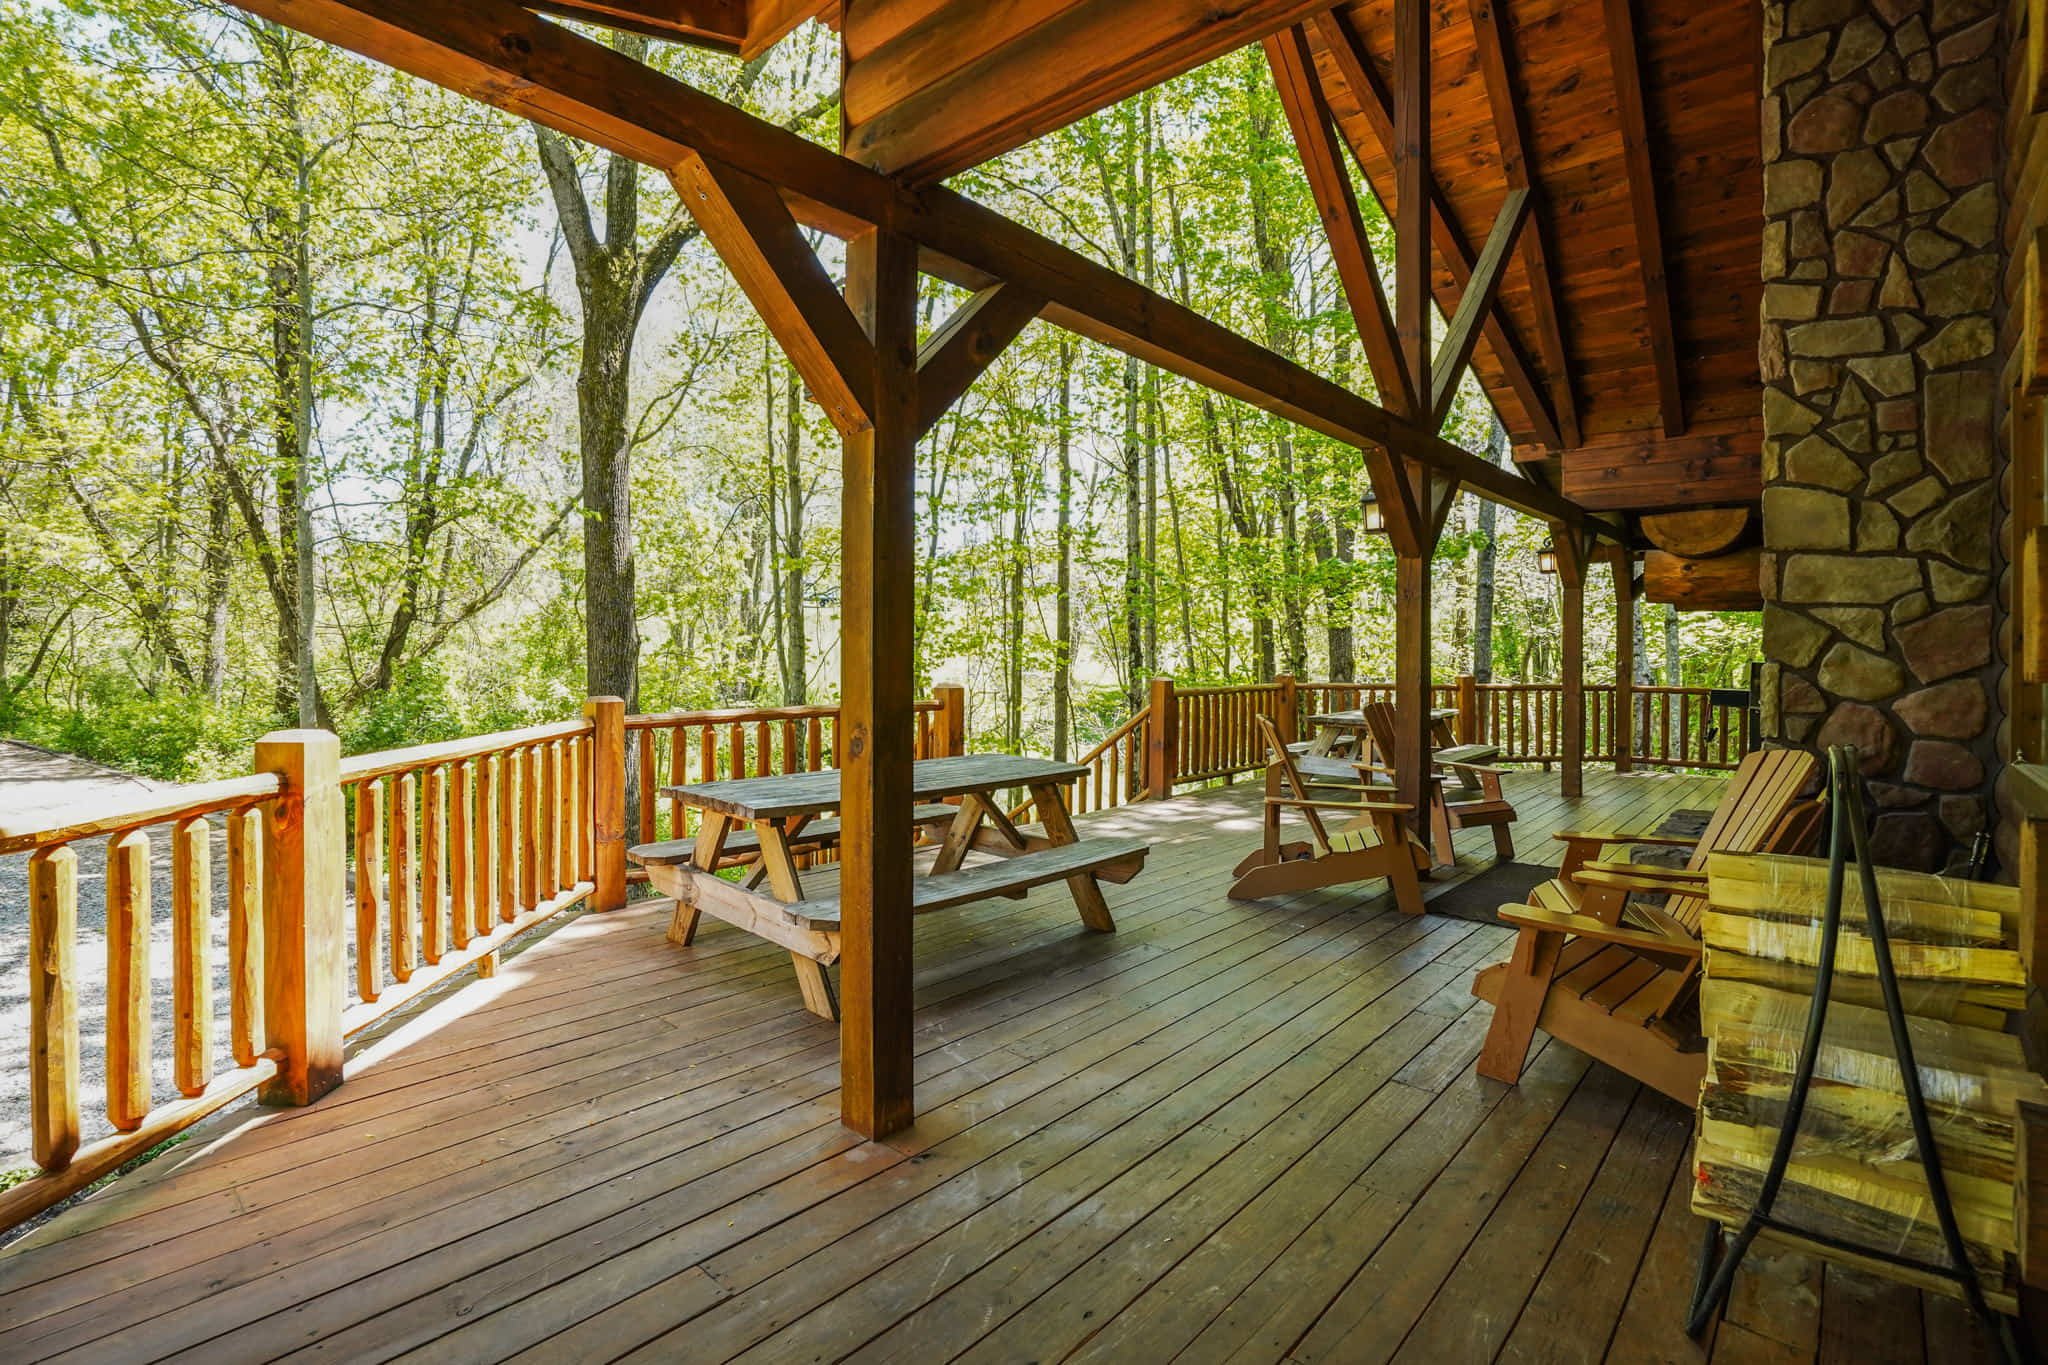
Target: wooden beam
x,y
1412,180
1642,200
1646,472
1510,125
1697,534
878,537
719,24
746,220
1480,293
1308,114
498,53
975,80
1729,582
970,340
770,21
1347,50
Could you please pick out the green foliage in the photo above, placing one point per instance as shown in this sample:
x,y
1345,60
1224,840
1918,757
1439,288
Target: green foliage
x,y
171,164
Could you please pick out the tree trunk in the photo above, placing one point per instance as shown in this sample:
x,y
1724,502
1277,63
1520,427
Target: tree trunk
x,y
796,677
604,384
1674,668
1063,611
1013,644
216,569
1487,555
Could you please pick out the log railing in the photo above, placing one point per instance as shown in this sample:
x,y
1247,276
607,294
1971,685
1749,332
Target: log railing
x,y
1202,734
65,1160
459,848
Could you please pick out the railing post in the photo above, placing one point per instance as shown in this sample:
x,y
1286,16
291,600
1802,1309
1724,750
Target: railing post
x,y
952,700
1468,709
305,958
607,800
1162,741
1286,710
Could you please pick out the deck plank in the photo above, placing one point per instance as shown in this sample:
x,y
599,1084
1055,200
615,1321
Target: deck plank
x,y
1228,1131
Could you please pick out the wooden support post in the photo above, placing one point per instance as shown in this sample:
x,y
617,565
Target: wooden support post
x,y
876,729
304,960
1162,741
1571,576
1468,709
952,728
608,800
1624,661
1412,686
1287,707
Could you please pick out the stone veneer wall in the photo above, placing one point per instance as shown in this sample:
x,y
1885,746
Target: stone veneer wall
x,y
1881,262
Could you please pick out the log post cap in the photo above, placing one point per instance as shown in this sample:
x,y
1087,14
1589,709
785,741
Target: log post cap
x,y
308,738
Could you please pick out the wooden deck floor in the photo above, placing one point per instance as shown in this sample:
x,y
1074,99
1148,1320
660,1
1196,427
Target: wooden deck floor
x,y
1227,1132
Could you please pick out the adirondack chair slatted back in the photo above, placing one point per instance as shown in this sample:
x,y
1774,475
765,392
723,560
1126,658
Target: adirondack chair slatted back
x,y
1379,723
1291,774
1761,812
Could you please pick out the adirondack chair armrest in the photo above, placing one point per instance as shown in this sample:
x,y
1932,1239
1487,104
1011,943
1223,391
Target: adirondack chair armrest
x,y
1396,807
1672,876
1617,879
1476,769
1585,926
1604,837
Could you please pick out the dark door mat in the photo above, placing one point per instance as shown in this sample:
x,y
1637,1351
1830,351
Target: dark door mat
x,y
1680,824
1478,896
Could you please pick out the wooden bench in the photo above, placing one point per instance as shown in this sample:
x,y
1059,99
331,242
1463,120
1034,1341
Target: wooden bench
x,y
743,845
1002,877
809,928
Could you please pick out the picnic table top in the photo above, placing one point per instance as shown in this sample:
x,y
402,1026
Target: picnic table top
x,y
1357,717
780,796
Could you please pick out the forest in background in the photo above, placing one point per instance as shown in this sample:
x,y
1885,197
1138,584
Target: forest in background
x,y
328,395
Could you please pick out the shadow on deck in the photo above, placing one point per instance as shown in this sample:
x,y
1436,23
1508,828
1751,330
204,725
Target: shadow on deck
x,y
1229,1131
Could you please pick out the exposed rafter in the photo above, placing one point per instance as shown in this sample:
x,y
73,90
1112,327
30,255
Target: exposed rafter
x,y
720,24
1413,185
1375,101
1308,114
1014,71
1480,293
1642,199
1510,126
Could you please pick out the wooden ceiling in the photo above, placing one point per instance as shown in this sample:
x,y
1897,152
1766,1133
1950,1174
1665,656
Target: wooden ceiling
x,y
1620,349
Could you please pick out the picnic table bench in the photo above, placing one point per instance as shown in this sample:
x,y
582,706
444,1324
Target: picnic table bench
x,y
767,820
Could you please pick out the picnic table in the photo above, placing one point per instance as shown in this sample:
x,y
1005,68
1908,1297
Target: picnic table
x,y
768,822
1339,729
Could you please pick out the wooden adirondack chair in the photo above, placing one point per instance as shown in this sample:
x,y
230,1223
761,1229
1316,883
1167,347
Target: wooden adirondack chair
x,y
1615,978
1333,857
1476,802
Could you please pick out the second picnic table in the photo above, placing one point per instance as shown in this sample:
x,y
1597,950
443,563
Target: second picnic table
x,y
769,821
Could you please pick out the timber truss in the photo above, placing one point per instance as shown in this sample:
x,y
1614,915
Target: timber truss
x,y
753,188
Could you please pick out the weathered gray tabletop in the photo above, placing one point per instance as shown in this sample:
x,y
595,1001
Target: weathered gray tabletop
x,y
776,798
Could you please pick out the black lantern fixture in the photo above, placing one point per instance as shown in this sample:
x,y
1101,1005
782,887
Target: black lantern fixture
x,y
1546,557
1375,520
